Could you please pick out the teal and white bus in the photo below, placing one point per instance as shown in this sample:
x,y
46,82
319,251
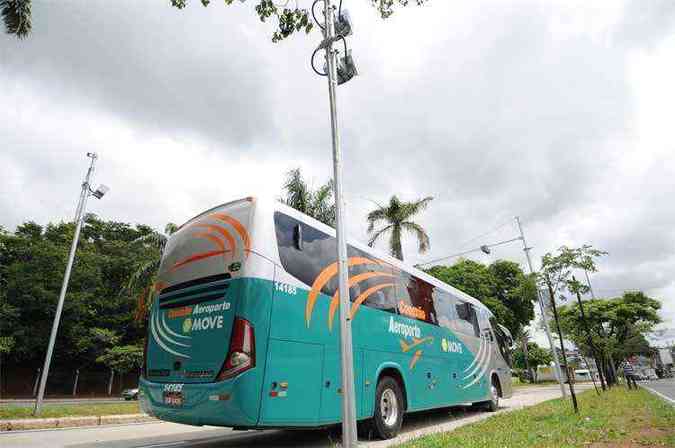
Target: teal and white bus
x,y
244,330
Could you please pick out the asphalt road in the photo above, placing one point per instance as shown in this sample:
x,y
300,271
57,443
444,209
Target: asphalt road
x,y
665,388
169,435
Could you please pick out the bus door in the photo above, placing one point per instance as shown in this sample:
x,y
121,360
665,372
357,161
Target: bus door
x,y
291,388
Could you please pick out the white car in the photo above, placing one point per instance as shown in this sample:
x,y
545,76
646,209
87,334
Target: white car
x,y
130,394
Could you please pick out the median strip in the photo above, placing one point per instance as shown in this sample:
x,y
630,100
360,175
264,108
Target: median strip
x,y
26,424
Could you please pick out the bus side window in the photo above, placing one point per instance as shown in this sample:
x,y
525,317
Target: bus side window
x,y
378,288
444,308
415,298
467,322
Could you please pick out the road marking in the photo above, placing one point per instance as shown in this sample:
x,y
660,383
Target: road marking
x,y
182,442
659,394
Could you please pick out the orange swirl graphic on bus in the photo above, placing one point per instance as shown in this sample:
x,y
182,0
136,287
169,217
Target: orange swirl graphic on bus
x,y
405,347
327,274
220,236
335,301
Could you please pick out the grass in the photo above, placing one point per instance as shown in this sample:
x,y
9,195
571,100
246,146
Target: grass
x,y
8,412
618,418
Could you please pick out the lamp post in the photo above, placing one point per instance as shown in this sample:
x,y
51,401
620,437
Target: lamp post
x,y
339,72
79,217
543,312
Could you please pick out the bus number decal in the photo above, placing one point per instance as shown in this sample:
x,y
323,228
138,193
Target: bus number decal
x,y
285,287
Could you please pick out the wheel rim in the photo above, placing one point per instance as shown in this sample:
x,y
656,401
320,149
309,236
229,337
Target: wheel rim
x,y
389,407
495,393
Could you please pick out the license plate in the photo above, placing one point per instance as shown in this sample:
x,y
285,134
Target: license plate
x,y
173,398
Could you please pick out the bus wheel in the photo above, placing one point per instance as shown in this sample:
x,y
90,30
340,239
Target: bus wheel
x,y
388,408
493,404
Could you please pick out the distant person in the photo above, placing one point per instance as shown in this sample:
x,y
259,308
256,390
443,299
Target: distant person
x,y
629,373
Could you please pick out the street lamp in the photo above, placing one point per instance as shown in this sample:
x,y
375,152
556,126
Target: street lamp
x,y
79,217
339,72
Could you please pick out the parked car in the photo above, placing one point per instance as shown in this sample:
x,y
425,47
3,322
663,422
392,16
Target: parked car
x,y
130,394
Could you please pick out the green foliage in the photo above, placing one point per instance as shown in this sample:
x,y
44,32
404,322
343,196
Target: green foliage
x,y
502,287
98,310
617,326
319,203
556,270
122,359
142,279
16,14
6,344
397,217
536,356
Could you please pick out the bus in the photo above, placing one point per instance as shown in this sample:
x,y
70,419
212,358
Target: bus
x,y
244,329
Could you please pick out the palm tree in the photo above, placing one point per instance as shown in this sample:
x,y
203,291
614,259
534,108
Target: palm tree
x,y
397,217
145,272
16,16
318,204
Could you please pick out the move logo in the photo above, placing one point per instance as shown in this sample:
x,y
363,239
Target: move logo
x,y
450,346
202,323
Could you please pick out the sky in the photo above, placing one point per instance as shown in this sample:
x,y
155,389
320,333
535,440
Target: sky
x,y
559,112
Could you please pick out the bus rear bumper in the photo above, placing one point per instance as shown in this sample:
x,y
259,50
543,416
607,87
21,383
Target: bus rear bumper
x,y
216,404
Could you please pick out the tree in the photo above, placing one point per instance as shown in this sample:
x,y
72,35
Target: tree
x,y
618,325
556,276
17,14
122,359
32,262
397,217
146,268
502,287
536,356
318,204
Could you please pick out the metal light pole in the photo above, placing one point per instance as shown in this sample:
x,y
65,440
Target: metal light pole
x,y
349,436
79,214
543,312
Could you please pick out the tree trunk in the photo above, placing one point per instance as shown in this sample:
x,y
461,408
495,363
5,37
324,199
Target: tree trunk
x,y
77,377
570,381
527,361
37,381
612,369
110,382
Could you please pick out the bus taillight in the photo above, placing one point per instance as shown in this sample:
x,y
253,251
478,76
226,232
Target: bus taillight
x,y
241,355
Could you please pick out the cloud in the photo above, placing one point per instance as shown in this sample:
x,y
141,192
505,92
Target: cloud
x,y
551,111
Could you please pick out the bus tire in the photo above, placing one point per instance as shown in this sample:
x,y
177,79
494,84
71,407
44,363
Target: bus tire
x,y
493,403
389,408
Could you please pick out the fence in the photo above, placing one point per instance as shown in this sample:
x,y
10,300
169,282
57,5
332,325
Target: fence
x,y
21,382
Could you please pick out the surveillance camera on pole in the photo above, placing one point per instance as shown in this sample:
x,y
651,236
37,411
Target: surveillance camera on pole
x,y
79,215
339,72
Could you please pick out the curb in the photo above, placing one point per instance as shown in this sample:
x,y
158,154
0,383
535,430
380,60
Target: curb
x,y
71,422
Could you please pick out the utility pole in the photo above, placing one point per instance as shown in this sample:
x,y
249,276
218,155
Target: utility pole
x,y
79,217
543,311
349,435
